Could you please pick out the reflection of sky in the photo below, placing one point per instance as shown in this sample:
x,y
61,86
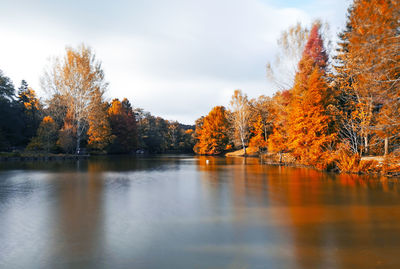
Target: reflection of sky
x,y
182,213
160,53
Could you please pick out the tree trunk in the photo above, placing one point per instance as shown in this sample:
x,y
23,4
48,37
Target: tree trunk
x,y
78,138
265,133
243,145
78,142
386,146
366,144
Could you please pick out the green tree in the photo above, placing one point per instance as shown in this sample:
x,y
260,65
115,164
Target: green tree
x,y
46,137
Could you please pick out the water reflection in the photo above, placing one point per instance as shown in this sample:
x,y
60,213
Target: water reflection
x,y
324,220
79,217
185,212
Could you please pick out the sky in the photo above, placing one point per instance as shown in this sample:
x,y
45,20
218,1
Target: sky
x,y
176,59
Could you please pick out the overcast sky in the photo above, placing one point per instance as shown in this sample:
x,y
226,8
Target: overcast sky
x,y
176,58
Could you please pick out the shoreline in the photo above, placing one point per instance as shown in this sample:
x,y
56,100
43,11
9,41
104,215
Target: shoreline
x,y
265,158
41,157
378,166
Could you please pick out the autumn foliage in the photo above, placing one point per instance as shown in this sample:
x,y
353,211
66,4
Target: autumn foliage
x,y
212,132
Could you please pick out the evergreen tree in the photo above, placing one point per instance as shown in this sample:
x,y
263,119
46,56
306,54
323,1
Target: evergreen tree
x,y
31,110
11,123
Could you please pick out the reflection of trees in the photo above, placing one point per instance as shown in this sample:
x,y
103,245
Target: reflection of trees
x,y
335,221
321,220
80,214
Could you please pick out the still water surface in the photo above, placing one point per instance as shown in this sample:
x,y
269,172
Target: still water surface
x,y
186,212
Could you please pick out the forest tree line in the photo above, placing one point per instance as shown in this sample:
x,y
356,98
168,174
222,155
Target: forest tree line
x,y
75,117
331,109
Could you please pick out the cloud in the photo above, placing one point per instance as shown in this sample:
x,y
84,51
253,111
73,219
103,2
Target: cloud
x,y
174,58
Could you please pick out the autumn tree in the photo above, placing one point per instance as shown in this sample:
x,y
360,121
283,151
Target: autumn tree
x,y
367,70
278,140
123,125
240,117
309,134
99,131
258,138
212,132
262,118
67,135
79,78
57,108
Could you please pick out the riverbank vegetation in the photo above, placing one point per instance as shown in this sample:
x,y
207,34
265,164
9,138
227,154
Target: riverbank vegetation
x,y
337,110
75,118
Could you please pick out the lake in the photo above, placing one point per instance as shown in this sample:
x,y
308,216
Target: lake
x,y
194,212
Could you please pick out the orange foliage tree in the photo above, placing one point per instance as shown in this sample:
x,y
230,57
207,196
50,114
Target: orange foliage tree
x,y
262,118
278,140
99,131
212,132
258,138
308,120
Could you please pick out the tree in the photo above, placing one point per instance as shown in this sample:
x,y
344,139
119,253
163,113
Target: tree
x,y
46,136
67,135
99,131
291,45
258,139
212,132
57,108
31,109
308,119
241,114
123,126
11,122
7,90
278,140
173,133
368,70
79,78
262,109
